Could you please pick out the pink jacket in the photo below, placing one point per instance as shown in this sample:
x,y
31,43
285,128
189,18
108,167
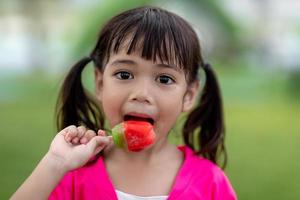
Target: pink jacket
x,y
198,178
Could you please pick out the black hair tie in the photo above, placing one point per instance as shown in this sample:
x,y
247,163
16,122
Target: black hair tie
x,y
206,66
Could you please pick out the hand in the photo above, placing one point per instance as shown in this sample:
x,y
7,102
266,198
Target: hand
x,y
81,136
73,146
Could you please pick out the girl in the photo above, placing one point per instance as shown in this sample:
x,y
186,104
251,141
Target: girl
x,y
146,68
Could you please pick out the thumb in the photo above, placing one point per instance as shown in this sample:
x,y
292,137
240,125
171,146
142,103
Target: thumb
x,y
97,143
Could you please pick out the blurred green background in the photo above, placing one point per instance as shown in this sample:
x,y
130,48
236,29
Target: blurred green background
x,y
253,46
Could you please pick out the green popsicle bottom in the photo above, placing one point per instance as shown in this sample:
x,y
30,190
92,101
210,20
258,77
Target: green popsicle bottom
x,y
118,136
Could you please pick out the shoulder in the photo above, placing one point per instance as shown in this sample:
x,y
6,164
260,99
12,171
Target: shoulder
x,y
207,175
93,170
201,165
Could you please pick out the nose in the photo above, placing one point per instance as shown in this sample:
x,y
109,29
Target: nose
x,y
142,92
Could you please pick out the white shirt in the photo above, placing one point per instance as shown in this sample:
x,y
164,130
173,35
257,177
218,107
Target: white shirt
x,y
125,196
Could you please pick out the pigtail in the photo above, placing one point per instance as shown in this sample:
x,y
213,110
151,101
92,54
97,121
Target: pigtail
x,y
205,124
75,106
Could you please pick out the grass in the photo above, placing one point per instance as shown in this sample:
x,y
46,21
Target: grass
x,y
263,146
26,116
262,125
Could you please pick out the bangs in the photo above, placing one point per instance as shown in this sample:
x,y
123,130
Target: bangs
x,y
155,34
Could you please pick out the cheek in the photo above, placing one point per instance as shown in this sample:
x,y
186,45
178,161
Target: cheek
x,y
172,102
111,105
170,109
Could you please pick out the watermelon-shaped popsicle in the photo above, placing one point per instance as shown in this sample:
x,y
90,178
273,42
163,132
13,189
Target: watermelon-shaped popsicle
x,y
133,135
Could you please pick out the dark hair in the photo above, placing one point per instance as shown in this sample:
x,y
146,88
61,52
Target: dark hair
x,y
156,33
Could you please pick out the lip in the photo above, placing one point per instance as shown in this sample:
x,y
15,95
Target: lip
x,y
135,114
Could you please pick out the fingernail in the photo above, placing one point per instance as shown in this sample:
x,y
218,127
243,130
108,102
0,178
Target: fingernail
x,y
83,140
68,138
101,133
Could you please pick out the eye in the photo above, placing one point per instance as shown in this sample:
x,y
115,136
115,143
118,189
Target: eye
x,y
123,75
164,79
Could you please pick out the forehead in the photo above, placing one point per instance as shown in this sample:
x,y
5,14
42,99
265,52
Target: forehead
x,y
134,59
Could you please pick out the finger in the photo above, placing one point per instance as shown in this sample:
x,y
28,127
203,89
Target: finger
x,y
65,131
72,132
87,136
97,143
81,130
75,140
101,132
80,133
98,149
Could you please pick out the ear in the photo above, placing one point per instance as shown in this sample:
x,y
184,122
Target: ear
x,y
190,96
98,83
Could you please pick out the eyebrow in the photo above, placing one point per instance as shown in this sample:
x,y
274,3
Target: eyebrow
x,y
131,62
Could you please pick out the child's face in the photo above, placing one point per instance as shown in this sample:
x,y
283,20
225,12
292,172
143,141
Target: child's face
x,y
132,86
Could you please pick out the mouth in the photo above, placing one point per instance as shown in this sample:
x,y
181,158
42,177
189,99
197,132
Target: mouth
x,y
139,118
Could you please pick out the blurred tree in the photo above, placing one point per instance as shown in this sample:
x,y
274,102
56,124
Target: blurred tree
x,y
229,42
36,32
93,19
32,28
